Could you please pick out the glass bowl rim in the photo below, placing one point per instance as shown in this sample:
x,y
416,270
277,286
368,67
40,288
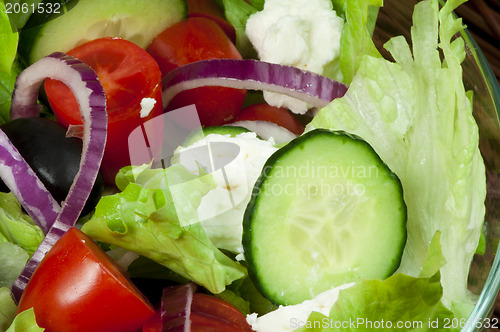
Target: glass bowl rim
x,y
487,299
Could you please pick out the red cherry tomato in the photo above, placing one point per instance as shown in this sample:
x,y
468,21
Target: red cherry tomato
x,y
193,40
201,322
215,307
209,9
265,112
207,313
128,74
154,324
77,288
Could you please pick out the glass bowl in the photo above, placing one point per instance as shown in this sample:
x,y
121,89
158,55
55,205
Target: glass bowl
x,y
484,277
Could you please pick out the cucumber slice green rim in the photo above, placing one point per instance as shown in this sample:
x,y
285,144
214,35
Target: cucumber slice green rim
x,y
325,211
134,20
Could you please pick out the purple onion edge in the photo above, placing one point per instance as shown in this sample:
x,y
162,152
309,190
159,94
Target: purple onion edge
x,y
270,74
191,289
84,179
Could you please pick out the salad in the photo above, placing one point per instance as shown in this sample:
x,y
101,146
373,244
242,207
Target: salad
x,y
235,165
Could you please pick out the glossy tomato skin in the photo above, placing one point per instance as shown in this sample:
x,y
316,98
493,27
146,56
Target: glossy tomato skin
x,y
78,288
209,9
153,324
128,74
192,40
215,307
277,115
201,322
207,312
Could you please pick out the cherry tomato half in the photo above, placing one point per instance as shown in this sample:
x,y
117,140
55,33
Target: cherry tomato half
x,y
154,324
277,115
77,288
128,74
192,40
215,307
207,313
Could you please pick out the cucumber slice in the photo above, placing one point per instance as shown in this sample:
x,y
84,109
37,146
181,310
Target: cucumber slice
x,y
232,131
325,211
138,21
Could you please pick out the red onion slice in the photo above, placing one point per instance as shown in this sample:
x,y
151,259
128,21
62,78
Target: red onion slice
x,y
312,88
85,85
176,304
26,186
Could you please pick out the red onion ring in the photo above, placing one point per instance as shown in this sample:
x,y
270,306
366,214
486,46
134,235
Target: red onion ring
x,y
176,307
307,86
26,186
85,85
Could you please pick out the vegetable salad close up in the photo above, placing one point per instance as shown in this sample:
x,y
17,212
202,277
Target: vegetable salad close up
x,y
235,165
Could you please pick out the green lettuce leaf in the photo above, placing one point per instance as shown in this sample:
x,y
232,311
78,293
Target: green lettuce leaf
x,y
8,39
7,81
236,300
258,303
9,68
146,268
435,259
356,40
237,13
155,216
25,322
259,4
8,308
246,297
12,260
19,238
16,226
481,247
400,302
417,116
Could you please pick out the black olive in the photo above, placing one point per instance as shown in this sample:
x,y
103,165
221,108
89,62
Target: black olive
x,y
52,156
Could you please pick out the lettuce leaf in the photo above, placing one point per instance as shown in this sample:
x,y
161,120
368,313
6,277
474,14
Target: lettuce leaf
x,y
237,13
7,81
400,302
356,40
8,308
435,259
8,39
8,67
146,268
19,238
16,226
236,300
25,322
417,116
12,260
145,218
258,303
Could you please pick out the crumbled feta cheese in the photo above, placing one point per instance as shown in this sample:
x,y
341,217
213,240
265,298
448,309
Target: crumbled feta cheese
x,y
299,33
221,210
291,317
147,105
